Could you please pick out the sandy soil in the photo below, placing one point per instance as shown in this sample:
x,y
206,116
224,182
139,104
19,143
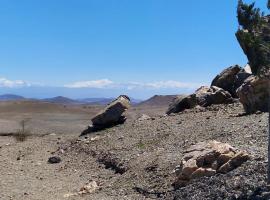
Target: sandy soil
x,y
130,161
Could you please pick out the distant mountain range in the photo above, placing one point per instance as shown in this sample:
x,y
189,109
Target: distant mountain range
x,y
157,100
102,101
63,100
10,97
60,100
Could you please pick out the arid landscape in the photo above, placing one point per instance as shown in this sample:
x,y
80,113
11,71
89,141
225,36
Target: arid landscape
x,y
134,100
130,161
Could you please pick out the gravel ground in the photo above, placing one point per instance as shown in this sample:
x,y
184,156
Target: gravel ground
x,y
136,160
146,153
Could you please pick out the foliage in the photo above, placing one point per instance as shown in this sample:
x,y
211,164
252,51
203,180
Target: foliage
x,y
251,36
248,16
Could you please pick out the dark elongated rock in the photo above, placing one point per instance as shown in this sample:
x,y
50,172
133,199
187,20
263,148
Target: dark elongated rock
x,y
110,116
112,113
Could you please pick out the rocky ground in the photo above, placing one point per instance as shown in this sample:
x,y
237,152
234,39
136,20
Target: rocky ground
x,y
135,160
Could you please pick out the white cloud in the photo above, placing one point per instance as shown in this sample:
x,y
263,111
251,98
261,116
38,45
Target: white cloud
x,y
106,83
163,85
102,83
13,84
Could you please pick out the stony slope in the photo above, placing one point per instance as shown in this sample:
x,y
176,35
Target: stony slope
x,y
135,160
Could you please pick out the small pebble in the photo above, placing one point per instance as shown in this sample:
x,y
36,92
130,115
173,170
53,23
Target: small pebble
x,y
54,160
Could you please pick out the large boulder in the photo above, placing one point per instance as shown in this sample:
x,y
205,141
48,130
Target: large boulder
x,y
181,103
226,79
207,96
207,159
204,96
254,94
232,78
111,115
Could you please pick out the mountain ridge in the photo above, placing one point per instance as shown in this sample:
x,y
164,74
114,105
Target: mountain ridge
x,y
158,100
64,100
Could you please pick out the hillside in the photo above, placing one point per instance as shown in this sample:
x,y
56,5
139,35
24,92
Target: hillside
x,y
158,100
101,101
10,97
60,100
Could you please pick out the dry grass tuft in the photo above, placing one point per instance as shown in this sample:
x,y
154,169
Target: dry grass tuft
x,y
22,134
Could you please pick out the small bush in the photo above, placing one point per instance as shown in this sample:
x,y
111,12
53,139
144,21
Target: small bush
x,y
22,134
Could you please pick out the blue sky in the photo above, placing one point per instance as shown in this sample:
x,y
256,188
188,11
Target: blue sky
x,y
84,48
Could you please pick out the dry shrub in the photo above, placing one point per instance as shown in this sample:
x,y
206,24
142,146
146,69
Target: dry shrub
x,y
22,134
